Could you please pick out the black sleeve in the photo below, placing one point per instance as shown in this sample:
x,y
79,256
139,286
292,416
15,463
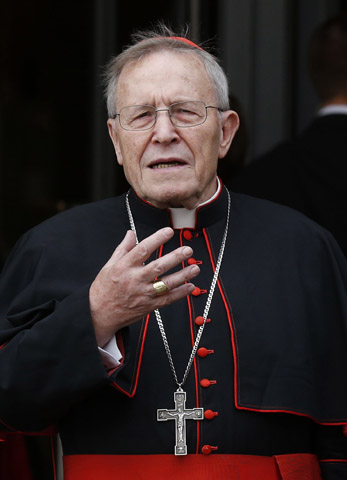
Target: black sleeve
x,y
49,358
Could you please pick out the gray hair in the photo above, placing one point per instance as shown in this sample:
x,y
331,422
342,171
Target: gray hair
x,y
147,42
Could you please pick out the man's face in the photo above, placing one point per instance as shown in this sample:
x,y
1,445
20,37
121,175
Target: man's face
x,y
168,165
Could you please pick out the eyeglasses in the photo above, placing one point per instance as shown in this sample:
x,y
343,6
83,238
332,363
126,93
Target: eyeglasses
x,y
182,114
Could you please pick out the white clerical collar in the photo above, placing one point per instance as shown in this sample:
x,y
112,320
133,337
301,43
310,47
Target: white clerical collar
x,y
184,218
332,109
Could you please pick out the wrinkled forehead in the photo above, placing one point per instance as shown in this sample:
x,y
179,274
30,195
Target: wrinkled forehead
x,y
165,69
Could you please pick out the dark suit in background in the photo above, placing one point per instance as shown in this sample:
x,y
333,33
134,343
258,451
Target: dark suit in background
x,y
309,173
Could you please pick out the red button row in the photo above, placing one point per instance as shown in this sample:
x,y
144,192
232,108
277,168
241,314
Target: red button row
x,y
203,352
188,235
208,449
200,320
192,261
205,382
198,291
210,414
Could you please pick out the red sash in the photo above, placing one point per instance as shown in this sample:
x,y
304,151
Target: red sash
x,y
191,467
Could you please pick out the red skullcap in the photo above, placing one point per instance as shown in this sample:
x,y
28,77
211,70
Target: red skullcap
x,y
185,40
182,39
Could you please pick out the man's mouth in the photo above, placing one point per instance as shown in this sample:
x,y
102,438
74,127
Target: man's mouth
x,y
166,165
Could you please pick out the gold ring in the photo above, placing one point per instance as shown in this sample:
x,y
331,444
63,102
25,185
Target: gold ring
x,y
160,287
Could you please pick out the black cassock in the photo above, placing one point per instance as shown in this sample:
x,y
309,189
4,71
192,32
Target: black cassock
x,y
272,371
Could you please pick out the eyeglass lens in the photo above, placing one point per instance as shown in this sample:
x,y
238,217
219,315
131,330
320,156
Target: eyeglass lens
x,y
138,117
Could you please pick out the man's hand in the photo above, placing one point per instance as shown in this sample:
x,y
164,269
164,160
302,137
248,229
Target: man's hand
x,y
122,292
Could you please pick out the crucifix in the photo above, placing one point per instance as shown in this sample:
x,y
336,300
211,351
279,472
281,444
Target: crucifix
x,y
180,414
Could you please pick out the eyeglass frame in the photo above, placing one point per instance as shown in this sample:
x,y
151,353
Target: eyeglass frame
x,y
156,110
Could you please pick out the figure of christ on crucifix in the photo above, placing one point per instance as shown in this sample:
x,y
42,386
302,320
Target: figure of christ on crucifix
x,y
180,414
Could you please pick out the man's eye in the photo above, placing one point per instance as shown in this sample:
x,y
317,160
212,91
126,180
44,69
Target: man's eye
x,y
145,114
141,115
186,111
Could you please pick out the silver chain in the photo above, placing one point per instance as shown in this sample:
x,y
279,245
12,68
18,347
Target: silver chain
x,y
208,301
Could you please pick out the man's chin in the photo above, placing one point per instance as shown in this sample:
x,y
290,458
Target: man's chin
x,y
170,199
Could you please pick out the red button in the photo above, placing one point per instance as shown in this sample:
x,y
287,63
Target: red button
x,y
205,382
187,234
208,449
198,291
192,261
203,352
200,320
210,414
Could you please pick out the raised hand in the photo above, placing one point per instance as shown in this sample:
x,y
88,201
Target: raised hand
x,y
123,292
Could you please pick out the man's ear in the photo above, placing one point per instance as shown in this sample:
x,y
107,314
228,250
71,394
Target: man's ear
x,y
115,140
230,125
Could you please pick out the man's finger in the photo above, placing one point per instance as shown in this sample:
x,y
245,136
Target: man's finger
x,y
161,265
146,247
174,295
177,279
126,245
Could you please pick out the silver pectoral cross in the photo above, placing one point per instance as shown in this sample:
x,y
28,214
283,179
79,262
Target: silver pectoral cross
x,y
180,414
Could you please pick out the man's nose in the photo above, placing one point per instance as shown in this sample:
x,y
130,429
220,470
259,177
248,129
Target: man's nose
x,y
164,131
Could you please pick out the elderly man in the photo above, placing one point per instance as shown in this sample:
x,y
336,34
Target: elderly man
x,y
147,375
